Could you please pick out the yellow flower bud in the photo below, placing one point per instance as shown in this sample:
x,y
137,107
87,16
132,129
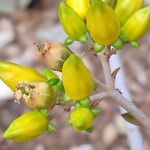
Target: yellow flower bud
x,y
79,6
36,95
27,126
137,25
53,54
81,119
125,8
102,23
73,24
12,74
77,79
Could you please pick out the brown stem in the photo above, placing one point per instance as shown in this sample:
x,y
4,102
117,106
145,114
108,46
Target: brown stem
x,y
131,108
116,96
107,71
126,104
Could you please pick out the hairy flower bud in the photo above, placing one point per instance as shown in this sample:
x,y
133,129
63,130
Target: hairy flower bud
x,y
12,74
73,24
81,119
102,23
79,6
36,95
27,126
137,25
77,79
53,54
125,8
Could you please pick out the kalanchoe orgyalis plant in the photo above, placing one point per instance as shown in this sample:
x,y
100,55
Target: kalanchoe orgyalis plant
x,y
106,26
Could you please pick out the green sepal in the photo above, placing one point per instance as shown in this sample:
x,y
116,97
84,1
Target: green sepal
x,y
98,48
96,112
44,112
83,39
51,128
122,37
118,44
77,106
85,102
89,130
68,41
95,86
59,87
135,44
66,98
49,74
53,81
69,123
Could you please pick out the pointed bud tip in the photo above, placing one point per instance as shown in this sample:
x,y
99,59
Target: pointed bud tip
x,y
7,134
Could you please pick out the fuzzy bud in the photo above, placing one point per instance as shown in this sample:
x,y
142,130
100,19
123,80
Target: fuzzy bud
x,y
81,119
102,23
137,25
36,95
26,127
73,24
77,78
125,8
12,74
53,54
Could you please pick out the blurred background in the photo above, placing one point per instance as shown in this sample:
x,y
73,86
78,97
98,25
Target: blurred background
x,y
23,22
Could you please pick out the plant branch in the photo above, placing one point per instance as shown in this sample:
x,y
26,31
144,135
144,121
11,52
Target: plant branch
x,y
115,95
126,104
106,68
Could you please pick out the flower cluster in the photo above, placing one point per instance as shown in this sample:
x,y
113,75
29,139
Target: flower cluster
x,y
103,23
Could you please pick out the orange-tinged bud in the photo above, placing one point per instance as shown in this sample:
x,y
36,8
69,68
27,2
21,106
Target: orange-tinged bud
x,y
36,95
53,54
12,74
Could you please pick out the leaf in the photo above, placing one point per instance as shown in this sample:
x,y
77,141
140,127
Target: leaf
x,y
128,117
